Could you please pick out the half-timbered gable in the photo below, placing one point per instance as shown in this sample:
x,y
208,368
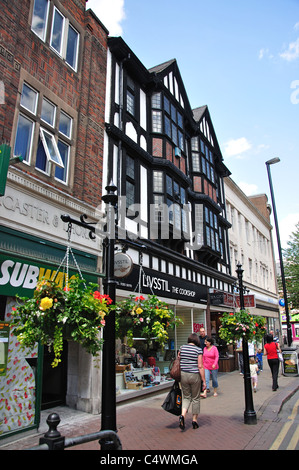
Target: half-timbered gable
x,y
165,160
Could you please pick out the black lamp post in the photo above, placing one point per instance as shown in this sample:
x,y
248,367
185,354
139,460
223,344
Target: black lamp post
x,y
108,369
249,413
289,330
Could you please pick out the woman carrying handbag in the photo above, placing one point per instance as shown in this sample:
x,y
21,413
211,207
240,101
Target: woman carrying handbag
x,y
192,374
271,350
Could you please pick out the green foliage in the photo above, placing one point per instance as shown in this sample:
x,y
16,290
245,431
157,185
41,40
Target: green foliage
x,y
144,318
54,314
291,269
239,325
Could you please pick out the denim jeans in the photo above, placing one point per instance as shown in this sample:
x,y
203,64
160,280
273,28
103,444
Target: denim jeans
x,y
214,374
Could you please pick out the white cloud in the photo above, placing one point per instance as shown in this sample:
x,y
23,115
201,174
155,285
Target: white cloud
x,y
264,52
235,147
292,53
110,12
247,188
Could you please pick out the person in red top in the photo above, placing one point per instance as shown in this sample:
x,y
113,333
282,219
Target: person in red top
x,y
271,350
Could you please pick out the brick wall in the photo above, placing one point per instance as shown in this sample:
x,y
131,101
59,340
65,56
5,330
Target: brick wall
x,y
84,91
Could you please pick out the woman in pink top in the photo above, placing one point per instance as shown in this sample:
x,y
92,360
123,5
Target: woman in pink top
x,y
210,363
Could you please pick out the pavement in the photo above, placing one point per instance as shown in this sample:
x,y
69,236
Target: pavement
x,y
144,426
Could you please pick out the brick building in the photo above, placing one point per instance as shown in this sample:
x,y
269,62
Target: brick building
x,y
52,94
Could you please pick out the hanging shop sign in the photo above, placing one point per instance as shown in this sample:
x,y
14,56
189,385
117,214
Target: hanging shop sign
x,y
217,298
149,281
249,301
123,265
222,298
231,300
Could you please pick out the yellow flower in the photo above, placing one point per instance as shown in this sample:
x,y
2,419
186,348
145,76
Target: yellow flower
x,y
139,311
46,303
102,314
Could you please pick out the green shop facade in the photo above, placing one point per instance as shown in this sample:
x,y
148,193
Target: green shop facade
x,y
32,246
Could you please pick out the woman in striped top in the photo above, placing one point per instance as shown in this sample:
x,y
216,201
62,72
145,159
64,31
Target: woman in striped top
x,y
192,374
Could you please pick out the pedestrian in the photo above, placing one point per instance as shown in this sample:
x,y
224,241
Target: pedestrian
x,y
271,350
259,356
253,372
275,336
211,366
202,337
192,375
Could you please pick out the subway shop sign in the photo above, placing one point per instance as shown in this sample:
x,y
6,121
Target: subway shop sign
x,y
19,276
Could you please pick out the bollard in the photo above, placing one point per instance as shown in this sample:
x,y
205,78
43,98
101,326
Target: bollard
x,y
53,438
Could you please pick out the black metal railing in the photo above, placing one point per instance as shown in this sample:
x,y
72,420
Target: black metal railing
x,y
53,440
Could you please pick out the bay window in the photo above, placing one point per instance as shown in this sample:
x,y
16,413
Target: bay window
x,y
165,114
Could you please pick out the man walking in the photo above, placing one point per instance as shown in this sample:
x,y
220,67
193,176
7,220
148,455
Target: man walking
x,y
202,337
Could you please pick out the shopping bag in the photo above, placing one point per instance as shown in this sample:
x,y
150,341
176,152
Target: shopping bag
x,y
173,402
175,370
280,356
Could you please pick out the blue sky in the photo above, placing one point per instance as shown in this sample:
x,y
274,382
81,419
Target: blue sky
x,y
241,59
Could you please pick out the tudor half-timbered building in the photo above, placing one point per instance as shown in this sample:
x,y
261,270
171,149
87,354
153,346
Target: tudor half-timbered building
x,y
165,160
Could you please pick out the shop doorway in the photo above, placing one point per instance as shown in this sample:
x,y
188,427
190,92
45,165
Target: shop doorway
x,y
54,380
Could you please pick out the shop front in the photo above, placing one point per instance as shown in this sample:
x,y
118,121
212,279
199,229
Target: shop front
x,y
28,383
145,365
255,303
294,322
221,302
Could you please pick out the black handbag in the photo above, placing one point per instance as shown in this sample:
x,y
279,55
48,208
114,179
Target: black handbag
x,y
173,401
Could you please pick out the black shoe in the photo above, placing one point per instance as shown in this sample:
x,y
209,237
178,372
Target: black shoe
x,y
182,422
194,424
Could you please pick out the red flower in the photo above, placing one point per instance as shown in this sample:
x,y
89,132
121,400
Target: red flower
x,y
97,295
139,298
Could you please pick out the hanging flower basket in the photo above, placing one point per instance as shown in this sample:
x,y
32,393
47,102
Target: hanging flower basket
x,y
239,325
55,314
137,317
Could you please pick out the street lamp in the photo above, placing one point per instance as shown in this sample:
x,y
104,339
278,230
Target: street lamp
x,y
249,413
108,370
289,331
